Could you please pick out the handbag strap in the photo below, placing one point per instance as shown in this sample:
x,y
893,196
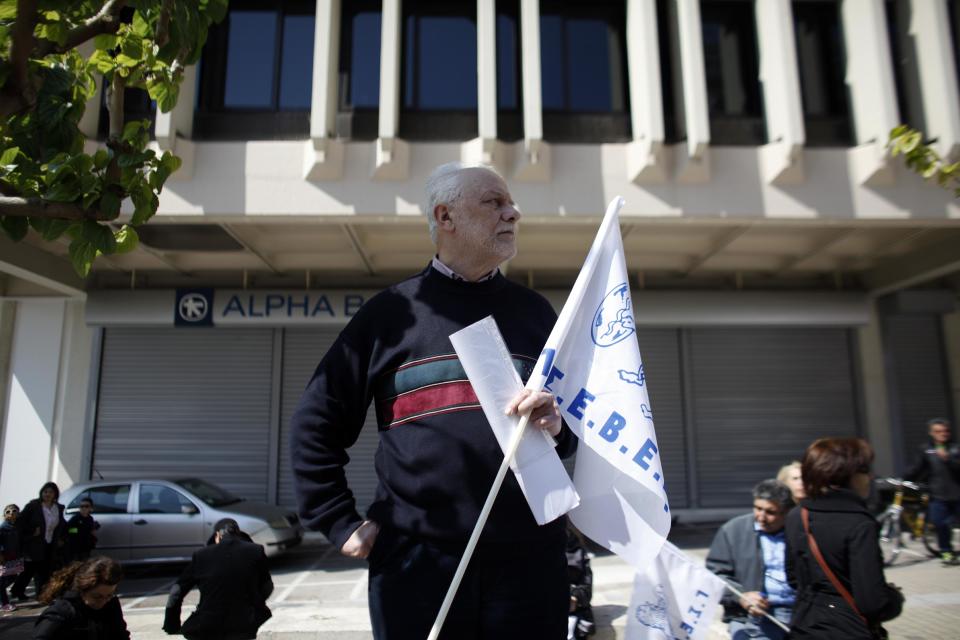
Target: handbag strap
x,y
815,550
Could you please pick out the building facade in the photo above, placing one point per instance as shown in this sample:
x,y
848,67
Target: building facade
x,y
790,280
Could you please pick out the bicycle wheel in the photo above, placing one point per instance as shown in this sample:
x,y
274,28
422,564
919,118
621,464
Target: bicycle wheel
x,y
891,537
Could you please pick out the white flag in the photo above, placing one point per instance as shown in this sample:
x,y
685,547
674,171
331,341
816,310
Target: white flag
x,y
674,598
591,362
539,472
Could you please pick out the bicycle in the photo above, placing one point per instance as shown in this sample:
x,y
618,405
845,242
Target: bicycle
x,y
905,521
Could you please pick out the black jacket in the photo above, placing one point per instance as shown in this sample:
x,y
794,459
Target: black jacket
x,y
943,476
81,538
69,619
234,584
9,542
847,536
31,542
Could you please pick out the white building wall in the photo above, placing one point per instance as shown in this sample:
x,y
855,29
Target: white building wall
x,y
44,433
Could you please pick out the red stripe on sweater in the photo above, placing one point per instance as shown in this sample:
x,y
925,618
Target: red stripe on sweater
x,y
432,399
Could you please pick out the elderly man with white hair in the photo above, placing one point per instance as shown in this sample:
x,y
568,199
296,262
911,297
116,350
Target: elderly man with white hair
x,y
437,456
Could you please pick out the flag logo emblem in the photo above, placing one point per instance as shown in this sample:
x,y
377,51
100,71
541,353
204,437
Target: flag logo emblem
x,y
613,321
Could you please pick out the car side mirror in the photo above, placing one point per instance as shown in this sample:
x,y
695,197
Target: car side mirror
x,y
189,509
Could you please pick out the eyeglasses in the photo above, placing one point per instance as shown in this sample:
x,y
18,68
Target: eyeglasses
x,y
11,512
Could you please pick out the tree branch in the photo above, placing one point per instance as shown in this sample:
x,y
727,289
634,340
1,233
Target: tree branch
x,y
19,93
163,23
115,105
107,20
39,208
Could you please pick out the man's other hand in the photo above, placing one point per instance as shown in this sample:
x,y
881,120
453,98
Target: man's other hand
x,y
543,409
360,542
754,603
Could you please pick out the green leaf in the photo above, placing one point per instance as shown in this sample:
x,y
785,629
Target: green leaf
x,y
8,9
131,47
135,159
110,204
9,156
82,254
106,41
132,129
15,226
55,229
99,235
126,239
102,158
140,26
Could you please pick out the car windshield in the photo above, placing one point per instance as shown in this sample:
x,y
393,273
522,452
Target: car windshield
x,y
211,494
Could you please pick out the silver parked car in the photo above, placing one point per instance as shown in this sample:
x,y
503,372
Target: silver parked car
x,y
145,521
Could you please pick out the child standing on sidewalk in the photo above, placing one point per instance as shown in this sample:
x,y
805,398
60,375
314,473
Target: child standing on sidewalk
x,y
11,564
81,538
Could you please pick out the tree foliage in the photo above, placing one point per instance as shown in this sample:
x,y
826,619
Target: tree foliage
x,y
922,159
47,181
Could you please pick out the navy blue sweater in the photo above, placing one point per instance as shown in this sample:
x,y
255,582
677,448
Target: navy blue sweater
x,y
437,456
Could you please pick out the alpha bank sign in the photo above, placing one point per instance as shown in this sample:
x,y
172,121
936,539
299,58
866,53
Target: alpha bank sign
x,y
200,307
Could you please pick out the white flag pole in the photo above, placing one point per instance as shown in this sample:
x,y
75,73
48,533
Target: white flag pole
x,y
536,384
478,529
740,594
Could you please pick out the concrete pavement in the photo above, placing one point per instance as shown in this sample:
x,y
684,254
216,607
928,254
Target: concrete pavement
x,y
321,595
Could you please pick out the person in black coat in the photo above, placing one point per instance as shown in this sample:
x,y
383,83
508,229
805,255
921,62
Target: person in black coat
x,y
83,603
837,480
42,530
234,584
938,463
81,528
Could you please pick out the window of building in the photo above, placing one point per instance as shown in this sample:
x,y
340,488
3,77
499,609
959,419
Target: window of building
x,y
256,79
439,71
359,89
903,54
732,65
583,71
669,78
954,11
821,58
509,73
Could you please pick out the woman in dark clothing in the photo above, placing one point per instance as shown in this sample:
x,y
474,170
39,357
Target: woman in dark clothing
x,y
83,603
837,479
42,530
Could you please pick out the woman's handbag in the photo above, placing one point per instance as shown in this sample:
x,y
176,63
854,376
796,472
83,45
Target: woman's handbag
x,y
876,630
11,567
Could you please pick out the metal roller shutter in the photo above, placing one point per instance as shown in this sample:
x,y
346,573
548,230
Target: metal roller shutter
x,y
760,396
176,402
302,351
660,349
918,377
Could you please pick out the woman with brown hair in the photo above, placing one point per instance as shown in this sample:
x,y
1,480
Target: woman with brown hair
x,y
83,603
833,554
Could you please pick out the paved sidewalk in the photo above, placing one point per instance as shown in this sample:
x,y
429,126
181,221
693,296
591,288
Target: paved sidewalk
x,y
321,595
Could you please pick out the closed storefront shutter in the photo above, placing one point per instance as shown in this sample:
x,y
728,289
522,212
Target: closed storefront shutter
x,y
177,403
660,350
302,351
917,376
760,396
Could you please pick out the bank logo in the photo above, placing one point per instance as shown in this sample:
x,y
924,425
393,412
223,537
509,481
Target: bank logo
x,y
613,321
194,308
654,614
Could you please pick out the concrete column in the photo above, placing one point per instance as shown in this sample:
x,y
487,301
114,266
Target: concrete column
x,y
951,345
173,130
485,148
323,158
693,166
873,380
873,95
44,434
392,156
645,153
533,154
783,104
8,310
929,30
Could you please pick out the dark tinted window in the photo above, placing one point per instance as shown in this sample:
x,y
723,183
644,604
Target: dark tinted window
x,y
821,58
667,66
508,58
904,57
439,56
582,58
106,499
583,71
731,61
360,58
137,105
210,493
954,10
257,72
158,498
